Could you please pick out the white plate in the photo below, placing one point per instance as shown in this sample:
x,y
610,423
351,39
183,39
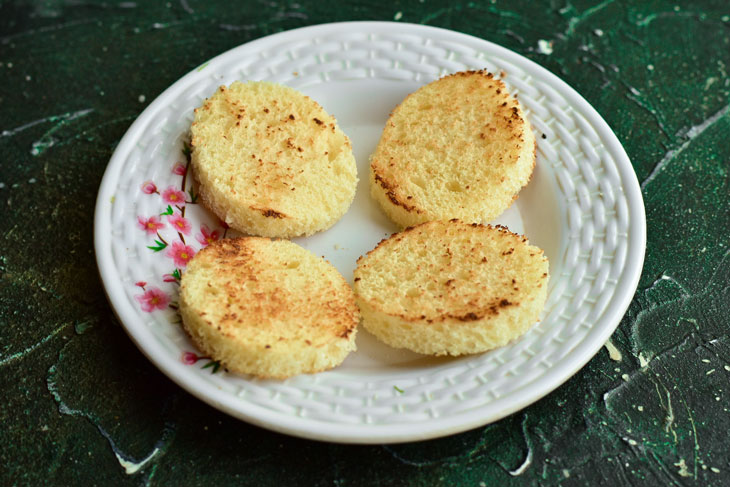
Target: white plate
x,y
583,206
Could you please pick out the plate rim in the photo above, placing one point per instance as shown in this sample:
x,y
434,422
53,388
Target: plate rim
x,y
398,432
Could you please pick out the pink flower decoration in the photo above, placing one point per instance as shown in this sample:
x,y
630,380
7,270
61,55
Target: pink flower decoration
x,y
206,237
148,187
153,299
180,253
168,278
179,169
150,225
189,358
179,223
173,196
141,284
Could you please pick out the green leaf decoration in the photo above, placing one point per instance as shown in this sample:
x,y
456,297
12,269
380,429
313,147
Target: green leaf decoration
x,y
398,389
168,211
213,363
176,274
193,196
158,247
186,149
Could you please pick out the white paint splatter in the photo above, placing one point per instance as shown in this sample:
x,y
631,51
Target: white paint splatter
x,y
131,468
545,47
643,362
683,472
669,419
141,98
398,16
613,352
598,32
710,81
625,377
528,458
521,469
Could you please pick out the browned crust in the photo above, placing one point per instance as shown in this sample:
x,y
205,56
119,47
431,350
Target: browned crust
x,y
241,255
508,111
491,310
224,204
269,213
470,72
391,194
532,170
234,253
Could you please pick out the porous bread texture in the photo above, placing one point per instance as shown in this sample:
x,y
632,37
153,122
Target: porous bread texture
x,y
268,308
270,161
451,288
459,147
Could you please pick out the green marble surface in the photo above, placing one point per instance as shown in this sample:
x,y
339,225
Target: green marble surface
x,y
81,406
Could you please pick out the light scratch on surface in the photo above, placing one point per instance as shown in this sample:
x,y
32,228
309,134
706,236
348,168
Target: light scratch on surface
x,y
129,465
63,117
669,418
635,96
694,132
16,356
6,39
185,6
694,432
652,17
47,141
573,22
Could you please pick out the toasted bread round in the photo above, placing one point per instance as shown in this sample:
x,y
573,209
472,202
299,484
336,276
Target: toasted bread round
x,y
270,161
447,287
268,307
459,147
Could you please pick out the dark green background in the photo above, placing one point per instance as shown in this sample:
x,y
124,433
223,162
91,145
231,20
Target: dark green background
x,y
77,400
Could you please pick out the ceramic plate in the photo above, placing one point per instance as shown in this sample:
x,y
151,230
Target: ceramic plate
x,y
583,207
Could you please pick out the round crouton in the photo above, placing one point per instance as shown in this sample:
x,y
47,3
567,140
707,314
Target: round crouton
x,y
448,287
268,308
459,147
270,161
